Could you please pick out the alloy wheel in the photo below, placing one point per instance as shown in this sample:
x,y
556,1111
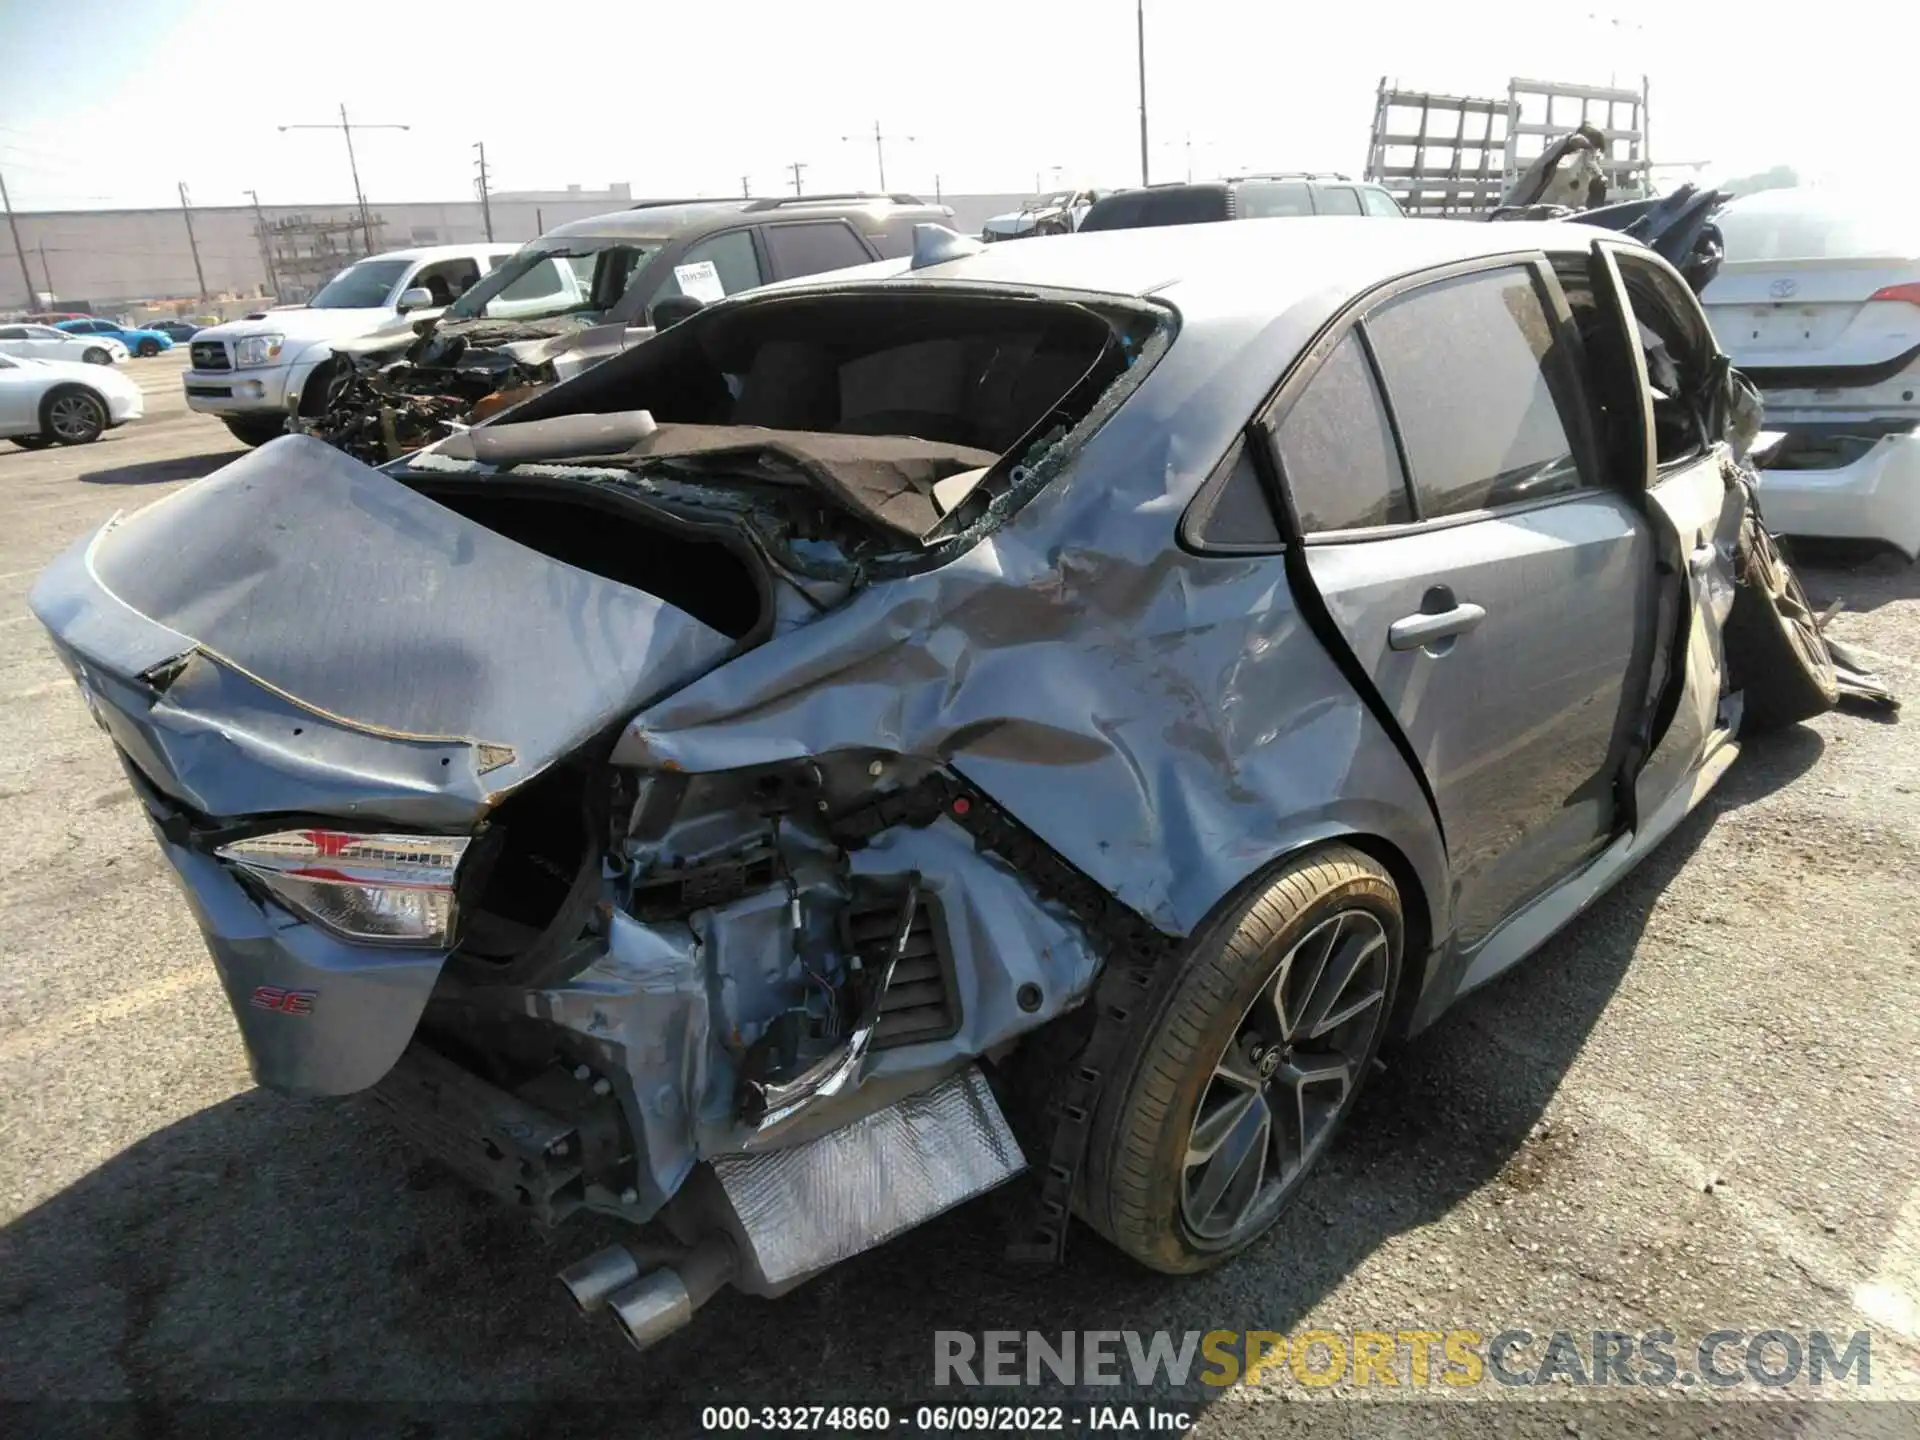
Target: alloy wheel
x,y
75,418
1277,1091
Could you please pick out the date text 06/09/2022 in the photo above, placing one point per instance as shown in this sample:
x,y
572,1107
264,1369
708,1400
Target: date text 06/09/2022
x,y
936,1419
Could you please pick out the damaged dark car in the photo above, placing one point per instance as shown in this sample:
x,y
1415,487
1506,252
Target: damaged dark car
x,y
1060,709
579,294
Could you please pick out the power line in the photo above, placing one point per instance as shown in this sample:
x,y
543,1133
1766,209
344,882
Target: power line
x,y
880,149
265,240
192,244
486,204
25,274
346,128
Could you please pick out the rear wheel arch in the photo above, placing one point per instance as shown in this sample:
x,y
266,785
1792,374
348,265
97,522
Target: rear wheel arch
x,y
1417,918
1121,1182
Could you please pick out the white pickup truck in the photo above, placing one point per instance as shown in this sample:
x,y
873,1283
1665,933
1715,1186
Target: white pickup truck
x,y
248,372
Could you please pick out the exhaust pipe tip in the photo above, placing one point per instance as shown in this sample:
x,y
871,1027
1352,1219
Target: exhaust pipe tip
x,y
652,1308
593,1280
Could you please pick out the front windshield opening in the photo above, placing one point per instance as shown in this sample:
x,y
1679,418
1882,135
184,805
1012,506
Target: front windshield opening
x,y
582,277
360,287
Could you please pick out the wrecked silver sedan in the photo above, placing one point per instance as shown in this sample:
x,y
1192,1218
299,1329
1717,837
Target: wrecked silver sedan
x,y
1060,707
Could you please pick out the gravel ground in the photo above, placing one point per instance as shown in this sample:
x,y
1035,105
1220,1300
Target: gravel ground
x,y
1695,1110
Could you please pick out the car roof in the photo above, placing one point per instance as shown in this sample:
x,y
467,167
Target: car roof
x,y
1236,267
674,218
441,252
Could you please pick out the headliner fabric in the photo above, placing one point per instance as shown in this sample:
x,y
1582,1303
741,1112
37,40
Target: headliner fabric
x,y
887,479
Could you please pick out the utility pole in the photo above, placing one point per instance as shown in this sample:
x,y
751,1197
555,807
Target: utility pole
x,y
192,244
346,128
1140,25
796,167
486,201
746,191
266,243
26,275
880,150
46,270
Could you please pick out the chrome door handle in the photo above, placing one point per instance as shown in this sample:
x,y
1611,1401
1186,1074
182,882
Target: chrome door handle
x,y
1411,632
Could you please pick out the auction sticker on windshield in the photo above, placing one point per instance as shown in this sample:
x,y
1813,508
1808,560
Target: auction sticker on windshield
x,y
700,281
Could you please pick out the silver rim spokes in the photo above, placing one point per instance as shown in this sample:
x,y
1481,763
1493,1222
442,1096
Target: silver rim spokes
x,y
73,416
1294,1059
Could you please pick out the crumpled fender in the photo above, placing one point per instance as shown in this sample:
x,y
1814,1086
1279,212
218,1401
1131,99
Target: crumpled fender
x,y
1166,721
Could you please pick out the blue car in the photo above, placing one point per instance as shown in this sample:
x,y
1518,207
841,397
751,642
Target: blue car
x,y
138,342
176,329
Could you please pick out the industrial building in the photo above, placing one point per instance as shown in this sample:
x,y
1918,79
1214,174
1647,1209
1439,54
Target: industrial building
x,y
144,261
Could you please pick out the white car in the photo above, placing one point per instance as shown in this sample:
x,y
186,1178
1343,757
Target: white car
x,y
251,372
43,342
63,402
1818,301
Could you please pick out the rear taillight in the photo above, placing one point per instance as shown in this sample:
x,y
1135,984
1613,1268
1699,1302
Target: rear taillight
x,y
392,888
1909,292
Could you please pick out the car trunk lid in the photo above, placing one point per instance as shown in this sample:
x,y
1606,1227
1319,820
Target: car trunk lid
x,y
299,632
1798,314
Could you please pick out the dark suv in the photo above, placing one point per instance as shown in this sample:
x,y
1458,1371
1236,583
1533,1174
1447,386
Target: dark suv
x,y
580,293
1240,197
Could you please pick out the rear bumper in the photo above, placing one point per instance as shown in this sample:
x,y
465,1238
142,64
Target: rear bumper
x,y
1873,497
360,1003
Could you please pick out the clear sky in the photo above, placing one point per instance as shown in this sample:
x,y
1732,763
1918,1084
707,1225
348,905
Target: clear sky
x,y
112,102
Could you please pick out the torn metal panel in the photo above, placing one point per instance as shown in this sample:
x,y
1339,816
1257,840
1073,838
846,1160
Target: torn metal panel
x,y
1153,715
264,570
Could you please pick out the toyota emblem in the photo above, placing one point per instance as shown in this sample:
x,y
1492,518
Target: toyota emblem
x,y
1784,289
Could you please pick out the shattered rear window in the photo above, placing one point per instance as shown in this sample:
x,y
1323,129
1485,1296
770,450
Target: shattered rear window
x,y
912,413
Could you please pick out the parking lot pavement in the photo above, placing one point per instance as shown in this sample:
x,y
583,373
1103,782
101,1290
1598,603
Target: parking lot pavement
x,y
1695,1110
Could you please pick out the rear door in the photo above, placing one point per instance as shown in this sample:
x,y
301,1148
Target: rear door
x,y
1657,354
1487,584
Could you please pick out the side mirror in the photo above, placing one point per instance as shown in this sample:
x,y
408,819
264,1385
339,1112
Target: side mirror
x,y
672,309
415,297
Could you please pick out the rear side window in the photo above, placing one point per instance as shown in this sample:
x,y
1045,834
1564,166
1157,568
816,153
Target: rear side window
x,y
1336,449
1464,365
1338,200
811,249
1379,202
1258,199
1234,514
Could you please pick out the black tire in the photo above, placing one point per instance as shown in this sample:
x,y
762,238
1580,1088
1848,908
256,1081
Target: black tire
x,y
328,377
33,442
94,355
253,430
1773,645
1137,1171
147,349
73,415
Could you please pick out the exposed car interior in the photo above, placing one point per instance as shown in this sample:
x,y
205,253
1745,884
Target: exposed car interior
x,y
944,386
